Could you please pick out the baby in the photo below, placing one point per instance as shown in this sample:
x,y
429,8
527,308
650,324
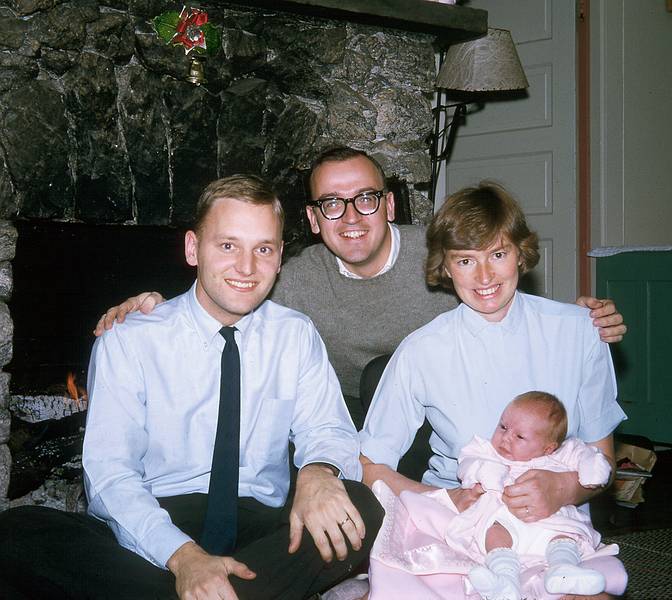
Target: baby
x,y
529,435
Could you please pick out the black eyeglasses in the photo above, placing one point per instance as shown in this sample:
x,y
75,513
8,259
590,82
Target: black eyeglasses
x,y
334,208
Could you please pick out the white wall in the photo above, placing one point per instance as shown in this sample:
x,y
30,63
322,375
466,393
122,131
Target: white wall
x,y
631,122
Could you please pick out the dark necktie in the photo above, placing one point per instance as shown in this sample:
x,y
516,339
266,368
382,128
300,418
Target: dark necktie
x,y
219,527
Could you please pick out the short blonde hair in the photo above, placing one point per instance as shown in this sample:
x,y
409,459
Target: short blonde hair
x,y
555,413
246,188
474,218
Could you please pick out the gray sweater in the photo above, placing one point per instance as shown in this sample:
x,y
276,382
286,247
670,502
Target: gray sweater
x,y
360,319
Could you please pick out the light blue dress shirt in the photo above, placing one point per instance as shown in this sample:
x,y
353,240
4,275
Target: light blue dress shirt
x,y
152,418
460,371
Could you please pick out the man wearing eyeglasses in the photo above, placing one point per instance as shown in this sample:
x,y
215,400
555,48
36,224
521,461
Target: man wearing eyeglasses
x,y
364,287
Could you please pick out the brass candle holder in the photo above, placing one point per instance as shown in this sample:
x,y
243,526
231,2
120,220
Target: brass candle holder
x,y
197,71
190,29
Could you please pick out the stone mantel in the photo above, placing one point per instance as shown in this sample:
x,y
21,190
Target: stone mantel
x,y
448,22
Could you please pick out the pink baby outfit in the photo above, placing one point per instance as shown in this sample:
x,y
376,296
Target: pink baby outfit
x,y
425,547
480,463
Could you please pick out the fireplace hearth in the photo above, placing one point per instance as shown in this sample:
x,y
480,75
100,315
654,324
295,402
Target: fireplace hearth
x,y
104,148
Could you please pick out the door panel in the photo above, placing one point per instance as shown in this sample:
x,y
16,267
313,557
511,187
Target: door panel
x,y
528,144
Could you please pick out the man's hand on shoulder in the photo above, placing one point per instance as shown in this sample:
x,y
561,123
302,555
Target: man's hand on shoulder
x,y
323,506
605,317
144,302
201,576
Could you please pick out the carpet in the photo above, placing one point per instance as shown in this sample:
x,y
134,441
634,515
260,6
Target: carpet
x,y
647,556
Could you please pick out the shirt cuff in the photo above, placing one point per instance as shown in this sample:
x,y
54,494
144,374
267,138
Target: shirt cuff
x,y
162,543
603,425
335,469
352,471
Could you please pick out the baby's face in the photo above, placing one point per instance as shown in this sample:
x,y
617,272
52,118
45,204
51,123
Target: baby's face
x,y
522,433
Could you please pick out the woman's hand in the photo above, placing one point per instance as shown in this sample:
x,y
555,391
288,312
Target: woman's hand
x,y
397,482
538,494
463,498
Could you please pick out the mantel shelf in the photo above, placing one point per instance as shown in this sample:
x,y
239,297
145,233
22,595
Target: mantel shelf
x,y
448,22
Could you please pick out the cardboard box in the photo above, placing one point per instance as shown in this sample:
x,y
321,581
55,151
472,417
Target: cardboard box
x,y
630,477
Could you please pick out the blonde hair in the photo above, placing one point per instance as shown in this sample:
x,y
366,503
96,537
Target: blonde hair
x,y
246,188
555,413
474,218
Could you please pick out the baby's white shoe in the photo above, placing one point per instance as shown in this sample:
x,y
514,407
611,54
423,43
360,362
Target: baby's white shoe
x,y
572,579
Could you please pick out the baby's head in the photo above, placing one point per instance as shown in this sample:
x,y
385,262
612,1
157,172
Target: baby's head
x,y
533,424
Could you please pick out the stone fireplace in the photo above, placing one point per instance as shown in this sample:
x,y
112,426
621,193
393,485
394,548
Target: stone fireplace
x,y
104,148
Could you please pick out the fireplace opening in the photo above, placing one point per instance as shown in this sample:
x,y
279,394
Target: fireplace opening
x,y
64,276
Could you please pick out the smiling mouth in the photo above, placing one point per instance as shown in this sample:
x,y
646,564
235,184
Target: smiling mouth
x,y
353,234
241,285
488,291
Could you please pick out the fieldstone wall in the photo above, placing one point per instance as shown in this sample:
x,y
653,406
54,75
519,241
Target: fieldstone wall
x,y
7,247
98,124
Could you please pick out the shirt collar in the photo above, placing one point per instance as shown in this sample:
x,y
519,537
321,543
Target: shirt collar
x,y
476,323
207,326
391,259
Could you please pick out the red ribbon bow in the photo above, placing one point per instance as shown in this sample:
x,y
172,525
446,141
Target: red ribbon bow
x,y
188,32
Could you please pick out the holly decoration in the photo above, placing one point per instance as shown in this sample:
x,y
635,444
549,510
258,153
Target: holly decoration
x,y
190,29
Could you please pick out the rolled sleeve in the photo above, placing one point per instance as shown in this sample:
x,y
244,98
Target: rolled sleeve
x,y
599,410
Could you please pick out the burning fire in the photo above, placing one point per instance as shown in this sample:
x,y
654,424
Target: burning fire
x,y
77,393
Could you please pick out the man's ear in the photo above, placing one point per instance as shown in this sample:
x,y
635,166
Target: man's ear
x,y
389,205
282,247
312,218
191,248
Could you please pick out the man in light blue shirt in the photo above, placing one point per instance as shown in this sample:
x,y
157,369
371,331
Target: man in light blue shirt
x,y
154,384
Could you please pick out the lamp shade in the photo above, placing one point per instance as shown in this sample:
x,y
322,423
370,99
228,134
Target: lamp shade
x,y
486,64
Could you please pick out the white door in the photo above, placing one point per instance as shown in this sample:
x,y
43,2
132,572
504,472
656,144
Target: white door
x,y
529,144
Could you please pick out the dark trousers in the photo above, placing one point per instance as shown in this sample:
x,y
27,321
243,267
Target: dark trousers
x,y
49,554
